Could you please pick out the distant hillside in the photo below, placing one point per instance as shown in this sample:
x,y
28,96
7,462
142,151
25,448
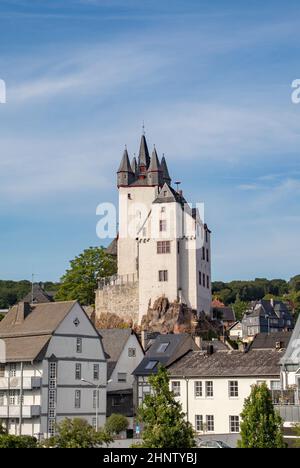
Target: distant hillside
x,y
239,293
13,291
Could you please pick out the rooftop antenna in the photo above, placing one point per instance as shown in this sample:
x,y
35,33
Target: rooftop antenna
x,y
178,183
32,283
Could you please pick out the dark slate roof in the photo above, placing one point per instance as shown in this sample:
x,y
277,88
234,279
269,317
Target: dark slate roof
x,y
217,344
178,345
264,307
171,196
39,295
125,164
227,313
155,164
228,364
114,341
270,340
144,158
164,167
134,166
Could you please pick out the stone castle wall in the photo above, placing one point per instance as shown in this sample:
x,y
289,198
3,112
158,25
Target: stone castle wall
x,y
121,300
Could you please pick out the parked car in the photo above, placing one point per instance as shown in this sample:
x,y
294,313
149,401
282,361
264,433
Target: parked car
x,y
212,444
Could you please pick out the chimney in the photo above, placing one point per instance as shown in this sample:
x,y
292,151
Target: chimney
x,y
279,345
210,350
198,341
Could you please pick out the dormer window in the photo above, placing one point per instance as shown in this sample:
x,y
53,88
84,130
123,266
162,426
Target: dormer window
x,y
151,365
162,347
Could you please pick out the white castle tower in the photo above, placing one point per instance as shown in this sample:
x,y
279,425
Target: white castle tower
x,y
163,247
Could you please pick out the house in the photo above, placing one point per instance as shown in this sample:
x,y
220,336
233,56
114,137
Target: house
x,y
223,313
266,316
52,367
290,371
38,295
124,353
235,332
212,387
165,350
163,246
278,340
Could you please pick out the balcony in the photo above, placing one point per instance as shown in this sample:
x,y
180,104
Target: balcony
x,y
289,413
14,383
28,411
287,403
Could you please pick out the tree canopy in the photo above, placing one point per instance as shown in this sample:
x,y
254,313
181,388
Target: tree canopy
x,y
80,280
116,423
261,425
164,424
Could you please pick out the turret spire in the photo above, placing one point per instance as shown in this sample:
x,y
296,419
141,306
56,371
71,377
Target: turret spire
x,y
125,173
164,167
144,158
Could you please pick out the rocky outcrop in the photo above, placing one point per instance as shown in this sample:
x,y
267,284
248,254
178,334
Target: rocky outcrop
x,y
166,317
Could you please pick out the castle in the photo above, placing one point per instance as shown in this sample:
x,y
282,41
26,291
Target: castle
x,y
163,247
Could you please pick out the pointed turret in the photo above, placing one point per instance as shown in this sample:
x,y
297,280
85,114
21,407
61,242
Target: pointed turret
x,y
155,174
144,158
134,166
165,170
125,173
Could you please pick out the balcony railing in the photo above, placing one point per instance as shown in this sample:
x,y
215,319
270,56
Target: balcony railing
x,y
13,411
117,280
14,383
289,413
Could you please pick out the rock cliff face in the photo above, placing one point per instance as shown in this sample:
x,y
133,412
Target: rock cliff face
x,y
166,317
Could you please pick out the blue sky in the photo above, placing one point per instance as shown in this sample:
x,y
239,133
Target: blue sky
x,y
211,80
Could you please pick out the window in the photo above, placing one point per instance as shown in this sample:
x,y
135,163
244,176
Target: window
x,y
162,347
199,423
118,401
94,423
51,427
129,196
163,247
234,424
210,423
77,371
207,282
178,247
176,388
233,389
275,385
12,370
77,398
203,278
151,365
2,370
206,236
52,399
122,377
95,398
78,345
200,278
203,253
12,397
1,398
163,276
198,389
207,255
163,209
162,225
52,370
209,389
96,372
131,352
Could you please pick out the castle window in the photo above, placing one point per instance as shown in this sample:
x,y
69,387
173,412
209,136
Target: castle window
x,y
203,253
129,196
163,275
200,278
163,209
162,225
206,235
207,282
207,255
203,277
163,247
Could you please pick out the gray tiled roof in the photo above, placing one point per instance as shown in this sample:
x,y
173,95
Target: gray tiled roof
x,y
114,341
270,340
228,364
178,345
39,295
43,319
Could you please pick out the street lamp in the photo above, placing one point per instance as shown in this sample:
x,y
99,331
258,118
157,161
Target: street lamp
x,y
97,387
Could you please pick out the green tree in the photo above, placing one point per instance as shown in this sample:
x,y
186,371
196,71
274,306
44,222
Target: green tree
x,y
240,308
261,425
116,423
77,433
297,434
80,281
12,441
164,424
